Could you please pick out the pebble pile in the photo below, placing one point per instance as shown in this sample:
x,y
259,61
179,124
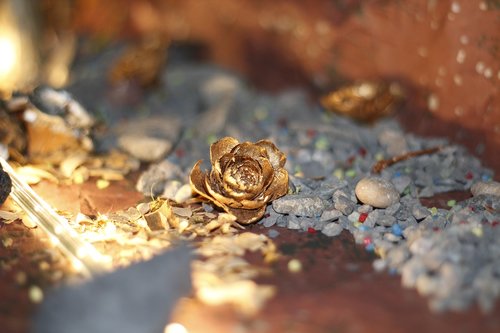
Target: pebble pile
x,y
450,255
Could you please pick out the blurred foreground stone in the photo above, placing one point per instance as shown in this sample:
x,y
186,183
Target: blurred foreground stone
x,y
136,299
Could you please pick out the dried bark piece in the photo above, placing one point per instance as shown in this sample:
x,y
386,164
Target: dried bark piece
x,y
364,101
142,63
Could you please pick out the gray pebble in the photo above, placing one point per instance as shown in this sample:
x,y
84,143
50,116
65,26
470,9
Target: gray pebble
x,y
410,272
299,205
332,229
343,204
427,285
354,217
269,222
379,265
143,147
330,214
327,188
401,183
293,222
386,220
392,209
154,180
377,192
491,188
273,233
365,209
420,212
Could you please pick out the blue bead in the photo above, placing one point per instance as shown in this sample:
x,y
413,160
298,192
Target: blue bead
x,y
370,247
396,229
485,178
363,228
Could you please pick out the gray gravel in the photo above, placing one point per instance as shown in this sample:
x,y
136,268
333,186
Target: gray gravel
x,y
448,255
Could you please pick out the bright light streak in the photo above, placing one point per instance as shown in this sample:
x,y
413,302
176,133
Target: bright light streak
x,y
84,256
8,55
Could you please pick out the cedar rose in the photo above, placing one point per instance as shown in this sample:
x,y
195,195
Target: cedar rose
x,y
244,178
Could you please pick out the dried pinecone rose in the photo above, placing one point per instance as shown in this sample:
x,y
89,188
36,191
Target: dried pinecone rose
x,y
244,177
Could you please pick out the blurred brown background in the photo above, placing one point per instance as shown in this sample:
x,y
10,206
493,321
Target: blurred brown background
x,y
447,53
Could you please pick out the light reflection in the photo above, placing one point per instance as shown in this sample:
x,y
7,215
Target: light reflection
x,y
175,328
8,56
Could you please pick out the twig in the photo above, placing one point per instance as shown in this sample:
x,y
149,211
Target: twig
x,y
381,165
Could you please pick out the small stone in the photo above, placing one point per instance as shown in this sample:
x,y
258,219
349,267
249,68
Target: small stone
x,y
184,193
144,148
332,229
354,217
344,205
327,188
401,183
153,181
491,188
394,141
372,218
273,233
299,205
410,272
379,265
365,209
148,139
420,212
330,214
427,285
269,222
376,192
397,256
293,223
392,209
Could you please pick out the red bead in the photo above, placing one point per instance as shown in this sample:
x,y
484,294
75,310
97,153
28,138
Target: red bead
x,y
495,223
362,217
362,151
180,153
311,230
367,241
469,175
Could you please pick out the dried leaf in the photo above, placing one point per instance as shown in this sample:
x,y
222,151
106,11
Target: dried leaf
x,y
33,175
9,217
364,101
71,163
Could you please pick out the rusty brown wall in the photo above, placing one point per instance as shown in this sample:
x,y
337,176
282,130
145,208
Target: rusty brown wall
x,y
447,52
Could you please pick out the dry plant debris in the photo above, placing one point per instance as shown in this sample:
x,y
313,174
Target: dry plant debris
x,y
56,144
221,274
142,63
364,101
244,178
382,164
